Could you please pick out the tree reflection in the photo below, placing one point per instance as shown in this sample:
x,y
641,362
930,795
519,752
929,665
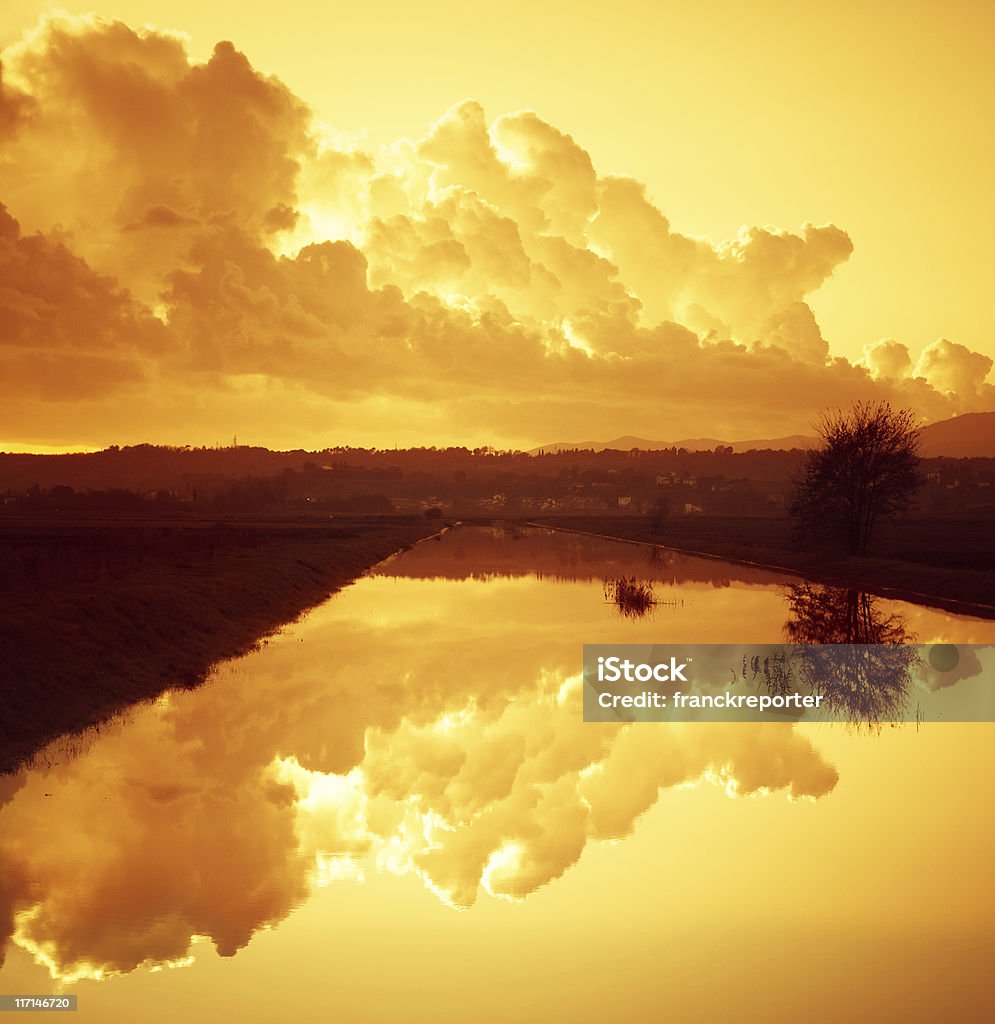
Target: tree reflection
x,y
835,615
848,649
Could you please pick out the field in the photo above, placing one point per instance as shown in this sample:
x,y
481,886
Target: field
x,y
96,614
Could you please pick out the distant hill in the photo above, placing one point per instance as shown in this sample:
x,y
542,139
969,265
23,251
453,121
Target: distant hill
x,y
969,436
963,437
692,444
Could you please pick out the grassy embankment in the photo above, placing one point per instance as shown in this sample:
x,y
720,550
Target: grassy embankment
x,y
98,614
947,562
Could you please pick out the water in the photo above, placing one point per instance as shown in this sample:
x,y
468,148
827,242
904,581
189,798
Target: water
x,y
394,811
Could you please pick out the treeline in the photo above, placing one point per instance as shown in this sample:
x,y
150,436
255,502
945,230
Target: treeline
x,y
145,468
716,482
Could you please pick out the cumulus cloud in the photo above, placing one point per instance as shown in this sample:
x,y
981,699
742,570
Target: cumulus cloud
x,y
954,369
145,140
795,330
14,107
485,269
887,358
65,331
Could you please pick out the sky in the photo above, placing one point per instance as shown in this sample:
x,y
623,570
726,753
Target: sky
x,y
546,223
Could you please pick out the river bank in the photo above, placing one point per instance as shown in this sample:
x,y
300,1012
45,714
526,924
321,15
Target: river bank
x,y
97,614
944,564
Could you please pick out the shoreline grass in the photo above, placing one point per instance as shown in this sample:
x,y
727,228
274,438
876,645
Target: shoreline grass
x,y
126,609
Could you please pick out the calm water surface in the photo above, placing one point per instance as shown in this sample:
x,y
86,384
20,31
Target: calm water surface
x,y
394,811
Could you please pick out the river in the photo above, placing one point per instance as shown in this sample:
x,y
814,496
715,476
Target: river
x,y
393,811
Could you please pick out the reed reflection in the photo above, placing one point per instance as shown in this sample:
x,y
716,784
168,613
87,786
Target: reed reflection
x,y
633,598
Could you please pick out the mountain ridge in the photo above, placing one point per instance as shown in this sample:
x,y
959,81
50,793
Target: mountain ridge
x,y
970,435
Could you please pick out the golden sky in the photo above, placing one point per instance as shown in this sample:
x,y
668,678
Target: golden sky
x,y
715,220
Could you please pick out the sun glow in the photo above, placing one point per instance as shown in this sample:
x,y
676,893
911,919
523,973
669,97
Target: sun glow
x,y
574,339
506,860
508,156
316,225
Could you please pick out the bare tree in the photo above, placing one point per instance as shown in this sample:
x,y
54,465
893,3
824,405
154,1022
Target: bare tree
x,y
865,472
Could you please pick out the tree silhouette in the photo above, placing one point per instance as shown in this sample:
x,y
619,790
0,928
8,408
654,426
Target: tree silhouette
x,y
865,472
